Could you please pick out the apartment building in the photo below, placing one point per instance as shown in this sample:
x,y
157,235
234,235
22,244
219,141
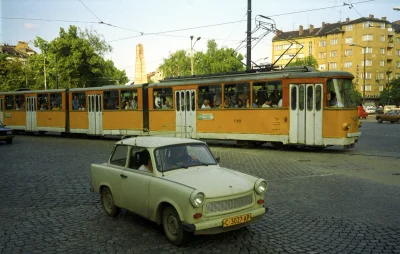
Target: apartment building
x,y
343,46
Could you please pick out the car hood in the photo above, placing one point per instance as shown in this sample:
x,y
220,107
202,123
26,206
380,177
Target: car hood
x,y
213,181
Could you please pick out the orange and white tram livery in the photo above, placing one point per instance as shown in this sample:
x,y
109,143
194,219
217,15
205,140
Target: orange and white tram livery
x,y
294,106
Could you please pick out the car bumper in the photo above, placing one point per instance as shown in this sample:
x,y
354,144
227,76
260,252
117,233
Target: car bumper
x,y
214,226
6,137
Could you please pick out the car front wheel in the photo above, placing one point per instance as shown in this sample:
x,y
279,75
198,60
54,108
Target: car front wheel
x,y
173,227
108,202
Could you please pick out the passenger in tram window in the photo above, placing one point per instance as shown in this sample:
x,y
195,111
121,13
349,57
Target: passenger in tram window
x,y
157,101
247,104
274,97
255,103
267,104
227,102
108,106
206,104
239,104
81,107
127,105
217,100
56,107
280,103
167,105
135,103
42,107
75,103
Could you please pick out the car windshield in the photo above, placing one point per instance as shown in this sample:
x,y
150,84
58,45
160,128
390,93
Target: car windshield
x,y
183,156
341,93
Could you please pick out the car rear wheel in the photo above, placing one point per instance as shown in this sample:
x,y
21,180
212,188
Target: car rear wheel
x,y
9,141
108,202
379,120
173,227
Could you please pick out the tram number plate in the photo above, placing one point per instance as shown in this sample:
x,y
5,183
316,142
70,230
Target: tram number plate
x,y
236,220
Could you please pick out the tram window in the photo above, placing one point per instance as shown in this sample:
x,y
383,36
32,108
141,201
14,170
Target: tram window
x,y
19,102
237,95
78,101
182,101
267,94
193,98
55,101
9,102
211,93
43,101
188,99
301,97
129,99
310,98
293,98
318,92
177,99
111,100
162,98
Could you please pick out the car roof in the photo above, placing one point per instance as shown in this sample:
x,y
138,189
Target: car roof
x,y
155,141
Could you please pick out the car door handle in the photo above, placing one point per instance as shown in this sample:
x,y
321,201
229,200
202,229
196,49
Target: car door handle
x,y
123,176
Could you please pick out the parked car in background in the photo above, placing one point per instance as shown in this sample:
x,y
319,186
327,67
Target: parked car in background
x,y
392,116
370,110
6,134
178,184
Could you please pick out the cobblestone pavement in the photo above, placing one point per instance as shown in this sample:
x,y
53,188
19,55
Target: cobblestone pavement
x,y
329,201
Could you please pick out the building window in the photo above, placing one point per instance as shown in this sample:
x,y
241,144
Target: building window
x,y
367,24
348,64
334,41
368,75
322,67
368,63
349,40
349,27
367,37
398,64
398,40
333,53
380,76
278,47
348,52
382,63
397,52
310,48
382,50
322,43
366,50
383,25
380,88
368,88
322,55
382,38
332,65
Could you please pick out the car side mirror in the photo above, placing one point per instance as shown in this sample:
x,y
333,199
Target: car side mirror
x,y
218,159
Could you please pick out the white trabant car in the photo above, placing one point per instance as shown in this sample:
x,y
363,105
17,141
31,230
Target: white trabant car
x,y
177,183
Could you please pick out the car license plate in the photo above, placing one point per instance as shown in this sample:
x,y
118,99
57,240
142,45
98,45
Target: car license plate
x,y
236,220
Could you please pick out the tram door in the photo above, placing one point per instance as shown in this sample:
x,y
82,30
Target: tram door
x,y
185,106
30,113
1,110
306,114
95,114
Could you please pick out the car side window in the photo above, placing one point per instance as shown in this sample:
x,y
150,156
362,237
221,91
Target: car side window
x,y
136,157
119,156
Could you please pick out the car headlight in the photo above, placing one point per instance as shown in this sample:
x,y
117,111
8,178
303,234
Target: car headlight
x,y
197,199
260,186
9,132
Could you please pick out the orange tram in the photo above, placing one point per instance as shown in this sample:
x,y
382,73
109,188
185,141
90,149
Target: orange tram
x,y
296,106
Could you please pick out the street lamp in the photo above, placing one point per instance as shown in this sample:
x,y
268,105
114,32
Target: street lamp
x,y
191,50
365,54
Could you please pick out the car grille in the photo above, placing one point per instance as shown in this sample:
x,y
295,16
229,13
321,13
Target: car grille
x,y
231,204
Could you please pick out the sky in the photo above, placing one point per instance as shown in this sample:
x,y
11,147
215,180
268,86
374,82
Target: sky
x,y
163,26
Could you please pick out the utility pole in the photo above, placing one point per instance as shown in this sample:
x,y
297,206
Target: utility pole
x,y
191,51
248,62
44,69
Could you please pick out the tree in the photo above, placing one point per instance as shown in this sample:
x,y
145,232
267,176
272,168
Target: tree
x,y
391,94
12,75
215,60
307,61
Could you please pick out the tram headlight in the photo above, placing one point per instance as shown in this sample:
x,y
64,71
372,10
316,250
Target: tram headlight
x,y
260,186
197,199
345,126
